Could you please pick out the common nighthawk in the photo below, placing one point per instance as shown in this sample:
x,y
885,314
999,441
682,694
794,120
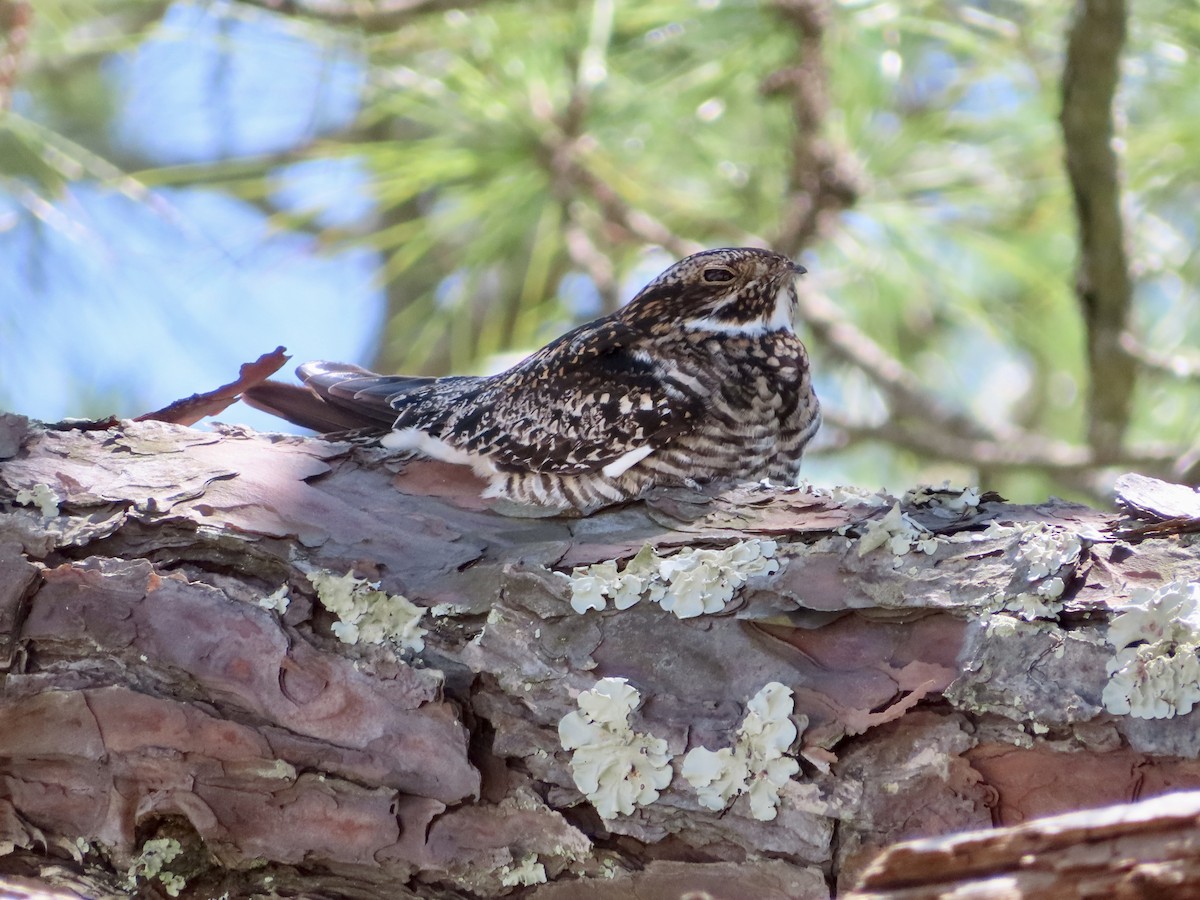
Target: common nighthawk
x,y
699,377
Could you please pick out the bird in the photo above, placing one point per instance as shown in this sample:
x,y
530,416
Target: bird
x,y
699,378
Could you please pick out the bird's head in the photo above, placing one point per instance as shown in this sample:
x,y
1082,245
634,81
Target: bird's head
x,y
737,290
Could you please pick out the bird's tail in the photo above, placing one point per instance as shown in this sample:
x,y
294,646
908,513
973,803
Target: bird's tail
x,y
335,397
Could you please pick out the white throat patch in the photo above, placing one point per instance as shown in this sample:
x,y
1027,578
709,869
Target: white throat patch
x,y
780,319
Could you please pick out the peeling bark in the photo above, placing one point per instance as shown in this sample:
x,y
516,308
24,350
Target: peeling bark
x,y
156,702
1145,849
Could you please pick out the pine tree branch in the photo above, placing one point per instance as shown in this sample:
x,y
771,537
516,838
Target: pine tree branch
x,y
370,15
821,179
1103,284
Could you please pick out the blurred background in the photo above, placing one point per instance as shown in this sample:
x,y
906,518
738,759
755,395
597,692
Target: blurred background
x,y
435,187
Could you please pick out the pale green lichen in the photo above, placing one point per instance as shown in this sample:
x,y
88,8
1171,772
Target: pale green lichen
x,y
994,531
688,583
615,767
368,614
527,871
1155,672
756,765
150,862
277,601
1046,550
1043,559
947,501
42,496
845,495
1043,552
899,533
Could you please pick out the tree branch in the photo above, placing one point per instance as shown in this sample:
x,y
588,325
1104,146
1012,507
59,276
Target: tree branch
x,y
1174,364
821,180
374,15
16,17
1019,450
196,695
1103,284
907,395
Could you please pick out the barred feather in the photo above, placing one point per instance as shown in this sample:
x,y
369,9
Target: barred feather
x,y
700,377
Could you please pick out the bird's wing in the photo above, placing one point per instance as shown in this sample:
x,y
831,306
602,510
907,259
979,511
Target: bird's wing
x,y
338,396
591,400
373,396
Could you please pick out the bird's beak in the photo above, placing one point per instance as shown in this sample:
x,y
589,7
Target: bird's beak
x,y
799,269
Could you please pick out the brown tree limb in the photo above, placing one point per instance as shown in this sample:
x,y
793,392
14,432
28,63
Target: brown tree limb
x,y
1177,365
1020,450
160,695
906,394
1103,284
1133,850
370,15
16,18
821,178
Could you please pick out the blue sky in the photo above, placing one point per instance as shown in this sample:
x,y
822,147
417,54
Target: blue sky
x,y
114,304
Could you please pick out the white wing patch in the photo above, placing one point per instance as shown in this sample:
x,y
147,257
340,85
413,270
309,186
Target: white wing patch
x,y
416,441
627,461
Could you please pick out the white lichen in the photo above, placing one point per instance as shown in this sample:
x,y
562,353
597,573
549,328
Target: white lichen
x,y
42,496
946,501
277,601
845,495
688,583
527,871
150,864
756,765
615,767
1043,552
1155,673
899,533
1046,550
994,531
368,614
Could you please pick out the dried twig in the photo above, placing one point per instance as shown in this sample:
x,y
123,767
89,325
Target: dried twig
x,y
1175,364
191,410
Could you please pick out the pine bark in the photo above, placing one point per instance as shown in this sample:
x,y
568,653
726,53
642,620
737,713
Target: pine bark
x,y
150,695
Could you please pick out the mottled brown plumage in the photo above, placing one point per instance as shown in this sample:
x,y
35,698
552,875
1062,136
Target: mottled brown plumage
x,y
699,377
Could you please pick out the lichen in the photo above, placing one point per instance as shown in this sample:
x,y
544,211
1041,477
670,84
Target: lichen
x,y
945,501
1155,672
277,601
756,765
527,871
368,614
615,767
899,533
846,495
150,862
688,583
1044,551
42,496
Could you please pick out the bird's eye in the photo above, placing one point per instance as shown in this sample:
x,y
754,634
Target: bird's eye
x,y
715,273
